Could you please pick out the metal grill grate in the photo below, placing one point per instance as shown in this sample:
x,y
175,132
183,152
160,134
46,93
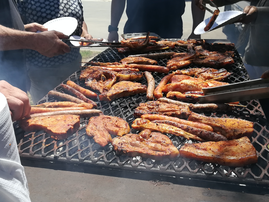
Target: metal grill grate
x,y
79,148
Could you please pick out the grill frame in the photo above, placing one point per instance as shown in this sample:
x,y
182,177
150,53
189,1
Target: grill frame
x,y
82,150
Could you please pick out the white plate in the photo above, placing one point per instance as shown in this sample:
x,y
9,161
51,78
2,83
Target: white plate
x,y
66,25
224,18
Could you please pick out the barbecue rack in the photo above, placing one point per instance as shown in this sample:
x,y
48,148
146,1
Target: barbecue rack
x,y
81,150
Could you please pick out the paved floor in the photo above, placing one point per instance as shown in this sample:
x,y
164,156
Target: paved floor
x,y
70,183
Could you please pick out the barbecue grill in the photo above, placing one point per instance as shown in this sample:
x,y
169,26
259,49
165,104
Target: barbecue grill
x,y
81,149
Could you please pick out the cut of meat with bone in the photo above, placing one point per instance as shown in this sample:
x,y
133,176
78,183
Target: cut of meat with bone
x,y
157,107
239,152
146,144
141,124
123,89
102,127
231,128
59,126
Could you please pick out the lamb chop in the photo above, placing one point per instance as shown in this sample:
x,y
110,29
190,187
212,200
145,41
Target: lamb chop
x,y
102,127
123,89
147,144
141,124
58,126
231,128
238,152
205,73
162,108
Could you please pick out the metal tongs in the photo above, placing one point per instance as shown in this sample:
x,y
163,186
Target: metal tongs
x,y
93,43
211,4
242,91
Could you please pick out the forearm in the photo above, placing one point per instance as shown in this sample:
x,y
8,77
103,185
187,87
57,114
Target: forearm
x,y
84,29
117,8
12,39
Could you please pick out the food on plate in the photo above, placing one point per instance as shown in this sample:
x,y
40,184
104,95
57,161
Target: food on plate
x,y
64,96
159,89
204,134
142,124
102,127
123,89
150,68
138,60
232,128
205,73
212,20
82,90
78,94
153,117
58,126
101,80
147,144
162,108
129,75
239,152
151,85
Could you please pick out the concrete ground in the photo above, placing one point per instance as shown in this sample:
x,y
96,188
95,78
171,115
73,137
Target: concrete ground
x,y
69,183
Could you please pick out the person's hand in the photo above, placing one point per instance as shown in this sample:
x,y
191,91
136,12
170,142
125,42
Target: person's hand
x,y
49,43
87,37
113,36
17,100
34,27
265,75
251,14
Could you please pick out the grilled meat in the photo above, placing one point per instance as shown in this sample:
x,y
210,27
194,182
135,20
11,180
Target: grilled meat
x,y
212,20
153,117
128,75
204,134
59,126
101,80
102,127
205,73
150,68
159,89
231,128
102,63
239,152
180,60
138,60
123,89
187,97
162,108
141,124
146,144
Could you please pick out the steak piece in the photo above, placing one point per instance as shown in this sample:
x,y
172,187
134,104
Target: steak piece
x,y
157,107
123,89
231,128
147,144
138,60
58,126
239,152
102,127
